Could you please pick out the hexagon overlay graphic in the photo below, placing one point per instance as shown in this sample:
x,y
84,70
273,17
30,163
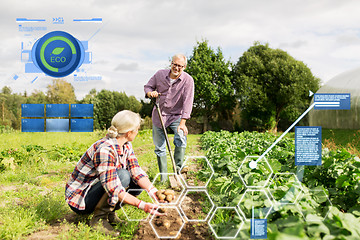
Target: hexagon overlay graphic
x,y
166,185
133,213
168,226
196,205
285,188
225,222
257,177
196,172
257,201
314,205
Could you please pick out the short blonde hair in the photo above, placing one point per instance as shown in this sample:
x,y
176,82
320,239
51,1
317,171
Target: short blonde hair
x,y
123,122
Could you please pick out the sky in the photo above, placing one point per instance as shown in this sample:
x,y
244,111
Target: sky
x,y
138,37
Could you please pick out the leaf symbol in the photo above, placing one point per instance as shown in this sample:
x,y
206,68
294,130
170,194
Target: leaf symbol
x,y
57,51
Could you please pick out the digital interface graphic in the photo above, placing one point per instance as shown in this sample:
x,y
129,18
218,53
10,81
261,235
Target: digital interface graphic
x,y
32,110
57,54
272,150
57,110
307,146
32,125
258,229
47,51
82,125
57,125
78,119
332,101
82,110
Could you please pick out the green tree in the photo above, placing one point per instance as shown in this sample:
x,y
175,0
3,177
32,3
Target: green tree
x,y
10,110
87,99
37,97
6,90
60,91
133,104
146,108
271,84
104,109
214,95
107,104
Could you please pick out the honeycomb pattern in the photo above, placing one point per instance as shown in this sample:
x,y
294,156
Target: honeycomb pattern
x,y
265,192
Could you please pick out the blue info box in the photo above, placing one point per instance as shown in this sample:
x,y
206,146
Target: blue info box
x,y
32,125
258,228
308,145
82,125
57,125
32,110
57,110
332,101
82,110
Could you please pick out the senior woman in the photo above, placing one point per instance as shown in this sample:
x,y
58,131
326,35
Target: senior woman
x,y
99,181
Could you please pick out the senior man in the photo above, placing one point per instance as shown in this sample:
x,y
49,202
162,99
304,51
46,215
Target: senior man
x,y
174,89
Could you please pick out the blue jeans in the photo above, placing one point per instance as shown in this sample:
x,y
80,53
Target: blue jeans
x,y
97,191
159,138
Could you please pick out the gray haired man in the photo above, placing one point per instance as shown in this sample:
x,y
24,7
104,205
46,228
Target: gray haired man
x,y
175,89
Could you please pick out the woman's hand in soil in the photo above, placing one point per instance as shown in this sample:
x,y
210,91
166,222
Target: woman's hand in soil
x,y
150,208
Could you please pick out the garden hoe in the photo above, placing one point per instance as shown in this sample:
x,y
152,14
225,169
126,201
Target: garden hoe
x,y
173,180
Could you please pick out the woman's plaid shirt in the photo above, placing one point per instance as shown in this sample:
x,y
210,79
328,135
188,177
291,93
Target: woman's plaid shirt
x,y
99,163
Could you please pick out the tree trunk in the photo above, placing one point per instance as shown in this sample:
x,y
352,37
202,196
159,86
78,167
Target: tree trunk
x,y
3,111
206,123
274,129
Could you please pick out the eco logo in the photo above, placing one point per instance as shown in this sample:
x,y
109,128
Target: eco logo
x,y
58,54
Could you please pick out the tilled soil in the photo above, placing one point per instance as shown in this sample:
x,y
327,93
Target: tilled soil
x,y
169,226
192,205
188,173
190,231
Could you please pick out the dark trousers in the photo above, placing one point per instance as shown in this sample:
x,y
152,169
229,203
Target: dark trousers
x,y
97,191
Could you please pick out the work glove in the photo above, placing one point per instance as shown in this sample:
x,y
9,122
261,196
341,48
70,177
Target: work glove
x,y
150,208
152,193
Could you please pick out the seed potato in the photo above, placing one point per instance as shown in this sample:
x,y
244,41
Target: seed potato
x,y
162,210
165,195
167,224
169,198
179,221
161,196
159,192
169,192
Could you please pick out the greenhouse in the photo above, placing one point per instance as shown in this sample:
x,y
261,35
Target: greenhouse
x,y
347,82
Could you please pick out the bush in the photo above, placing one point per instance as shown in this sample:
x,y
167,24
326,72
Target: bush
x,y
6,129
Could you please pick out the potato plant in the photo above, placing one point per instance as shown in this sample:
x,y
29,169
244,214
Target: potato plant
x,y
338,176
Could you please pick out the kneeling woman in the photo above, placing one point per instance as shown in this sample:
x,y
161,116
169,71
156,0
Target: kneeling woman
x,y
102,175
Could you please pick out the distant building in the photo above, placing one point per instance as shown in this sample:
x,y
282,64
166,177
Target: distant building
x,y
347,82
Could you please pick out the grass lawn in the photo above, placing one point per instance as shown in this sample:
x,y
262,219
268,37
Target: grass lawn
x,y
339,138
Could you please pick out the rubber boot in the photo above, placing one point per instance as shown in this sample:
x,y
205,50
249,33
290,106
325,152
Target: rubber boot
x,y
162,162
100,219
112,217
179,157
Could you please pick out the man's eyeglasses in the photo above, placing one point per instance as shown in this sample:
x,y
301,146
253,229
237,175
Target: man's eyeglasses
x,y
177,65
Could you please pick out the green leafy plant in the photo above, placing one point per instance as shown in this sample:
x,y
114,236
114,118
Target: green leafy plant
x,y
339,175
